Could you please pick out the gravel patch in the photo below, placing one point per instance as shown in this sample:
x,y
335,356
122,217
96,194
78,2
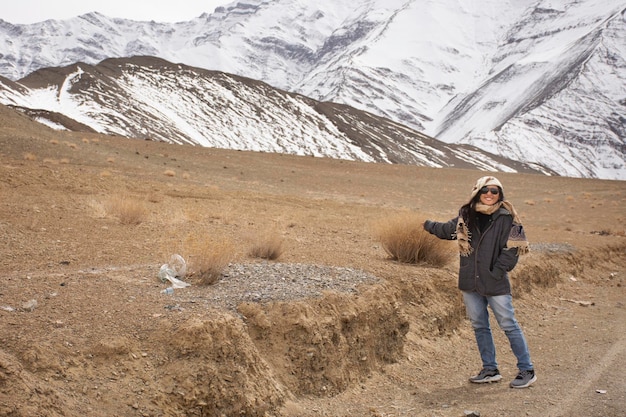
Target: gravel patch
x,y
264,282
552,247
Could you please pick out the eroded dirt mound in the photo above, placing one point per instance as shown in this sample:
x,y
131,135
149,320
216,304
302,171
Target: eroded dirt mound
x,y
322,346
114,344
213,368
23,393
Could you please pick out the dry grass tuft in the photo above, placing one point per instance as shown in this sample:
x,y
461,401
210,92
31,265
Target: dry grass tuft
x,y
208,260
405,240
127,209
268,245
169,173
28,156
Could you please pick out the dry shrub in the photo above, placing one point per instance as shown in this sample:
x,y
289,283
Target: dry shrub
x,y
268,245
207,260
28,156
169,173
127,209
404,239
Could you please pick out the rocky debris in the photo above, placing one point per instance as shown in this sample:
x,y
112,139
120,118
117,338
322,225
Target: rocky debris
x,y
266,281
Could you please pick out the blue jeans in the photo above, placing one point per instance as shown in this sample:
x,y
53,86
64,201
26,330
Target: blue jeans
x,y
502,308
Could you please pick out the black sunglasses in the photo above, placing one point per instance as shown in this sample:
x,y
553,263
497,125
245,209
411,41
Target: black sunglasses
x,y
494,191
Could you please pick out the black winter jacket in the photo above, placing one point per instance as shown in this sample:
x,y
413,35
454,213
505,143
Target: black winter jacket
x,y
485,270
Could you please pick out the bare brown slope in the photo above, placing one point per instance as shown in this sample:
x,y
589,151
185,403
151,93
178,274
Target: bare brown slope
x,y
102,340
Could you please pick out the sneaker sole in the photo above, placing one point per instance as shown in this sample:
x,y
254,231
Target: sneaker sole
x,y
487,380
526,385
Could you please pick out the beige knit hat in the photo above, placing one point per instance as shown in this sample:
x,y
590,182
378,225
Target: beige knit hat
x,y
484,181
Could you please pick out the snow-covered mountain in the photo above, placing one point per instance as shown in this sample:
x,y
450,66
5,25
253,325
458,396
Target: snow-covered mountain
x,y
150,98
541,81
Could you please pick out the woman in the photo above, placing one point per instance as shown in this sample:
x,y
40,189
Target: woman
x,y
490,238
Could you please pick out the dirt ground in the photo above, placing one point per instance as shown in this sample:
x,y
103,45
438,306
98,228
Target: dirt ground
x,y
86,330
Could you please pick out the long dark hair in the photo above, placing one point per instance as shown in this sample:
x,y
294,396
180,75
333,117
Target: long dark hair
x,y
468,211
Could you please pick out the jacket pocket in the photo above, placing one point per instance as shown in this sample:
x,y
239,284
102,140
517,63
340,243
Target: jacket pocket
x,y
498,274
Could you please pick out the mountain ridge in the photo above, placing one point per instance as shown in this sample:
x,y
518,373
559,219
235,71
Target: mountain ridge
x,y
150,98
413,62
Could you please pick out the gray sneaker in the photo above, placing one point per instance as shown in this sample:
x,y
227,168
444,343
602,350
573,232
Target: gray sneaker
x,y
524,379
486,375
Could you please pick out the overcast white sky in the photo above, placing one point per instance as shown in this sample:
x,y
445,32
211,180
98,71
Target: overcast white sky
x,y
31,11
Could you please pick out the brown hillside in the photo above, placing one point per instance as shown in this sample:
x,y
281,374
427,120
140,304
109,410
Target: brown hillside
x,y
330,328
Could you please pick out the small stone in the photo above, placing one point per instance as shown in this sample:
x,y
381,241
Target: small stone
x,y
30,305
